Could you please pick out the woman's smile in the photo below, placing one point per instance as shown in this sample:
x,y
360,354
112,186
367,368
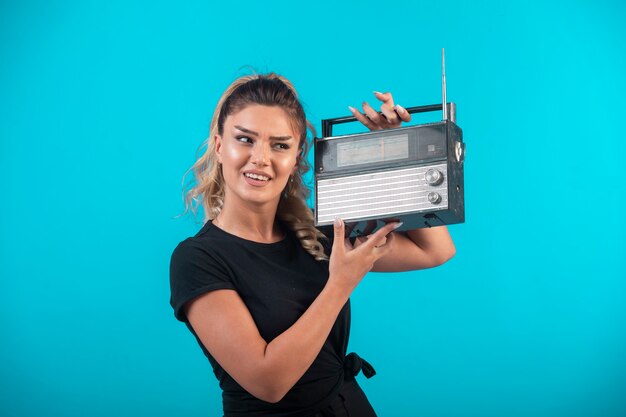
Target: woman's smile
x,y
256,179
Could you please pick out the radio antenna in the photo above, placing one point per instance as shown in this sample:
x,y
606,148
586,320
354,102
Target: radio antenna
x,y
444,107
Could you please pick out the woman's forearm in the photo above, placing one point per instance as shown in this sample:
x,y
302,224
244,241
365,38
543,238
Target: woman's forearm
x,y
435,241
289,355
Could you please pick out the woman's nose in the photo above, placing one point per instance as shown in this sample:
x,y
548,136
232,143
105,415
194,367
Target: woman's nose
x,y
261,154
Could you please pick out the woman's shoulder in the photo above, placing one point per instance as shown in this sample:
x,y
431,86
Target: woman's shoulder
x,y
204,242
201,255
196,267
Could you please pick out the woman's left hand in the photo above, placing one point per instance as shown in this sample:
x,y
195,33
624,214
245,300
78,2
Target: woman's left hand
x,y
390,116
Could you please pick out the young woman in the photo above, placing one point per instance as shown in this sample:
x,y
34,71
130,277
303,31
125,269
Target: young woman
x,y
262,290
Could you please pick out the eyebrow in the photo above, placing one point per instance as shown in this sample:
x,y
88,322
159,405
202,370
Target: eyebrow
x,y
252,132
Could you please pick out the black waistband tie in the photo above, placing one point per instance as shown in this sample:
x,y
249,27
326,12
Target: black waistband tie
x,y
353,363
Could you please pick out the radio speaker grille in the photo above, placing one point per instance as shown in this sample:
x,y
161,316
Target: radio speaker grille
x,y
380,193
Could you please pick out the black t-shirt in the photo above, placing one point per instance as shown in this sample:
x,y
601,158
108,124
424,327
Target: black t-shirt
x,y
277,282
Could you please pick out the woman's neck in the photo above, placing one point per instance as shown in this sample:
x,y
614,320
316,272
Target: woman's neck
x,y
257,223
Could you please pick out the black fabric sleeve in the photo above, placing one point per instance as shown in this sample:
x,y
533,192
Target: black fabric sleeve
x,y
193,272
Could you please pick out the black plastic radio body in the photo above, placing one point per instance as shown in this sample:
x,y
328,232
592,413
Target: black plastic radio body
x,y
412,174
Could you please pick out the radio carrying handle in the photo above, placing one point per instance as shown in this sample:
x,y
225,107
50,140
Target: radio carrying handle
x,y
327,124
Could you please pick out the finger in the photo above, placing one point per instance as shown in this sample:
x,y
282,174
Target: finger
x,y
363,239
401,111
338,243
377,238
372,114
391,116
381,251
361,118
390,237
387,108
359,241
386,98
383,242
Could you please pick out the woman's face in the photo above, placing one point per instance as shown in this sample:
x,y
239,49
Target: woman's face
x,y
258,152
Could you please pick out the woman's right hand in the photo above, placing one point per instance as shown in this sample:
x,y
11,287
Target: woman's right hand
x,y
349,264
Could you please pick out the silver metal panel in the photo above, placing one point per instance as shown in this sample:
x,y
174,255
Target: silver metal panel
x,y
381,193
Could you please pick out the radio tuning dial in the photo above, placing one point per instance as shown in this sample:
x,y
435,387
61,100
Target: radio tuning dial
x,y
434,177
434,197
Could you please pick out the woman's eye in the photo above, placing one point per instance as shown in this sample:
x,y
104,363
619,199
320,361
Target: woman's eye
x,y
244,139
282,146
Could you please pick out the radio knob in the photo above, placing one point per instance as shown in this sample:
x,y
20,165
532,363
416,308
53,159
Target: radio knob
x,y
434,197
434,177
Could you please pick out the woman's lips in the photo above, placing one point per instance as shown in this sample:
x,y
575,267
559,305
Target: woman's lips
x,y
256,182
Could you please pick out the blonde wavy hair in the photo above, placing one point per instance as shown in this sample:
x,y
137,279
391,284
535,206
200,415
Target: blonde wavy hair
x,y
207,189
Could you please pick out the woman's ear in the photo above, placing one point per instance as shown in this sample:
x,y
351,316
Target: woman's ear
x,y
218,148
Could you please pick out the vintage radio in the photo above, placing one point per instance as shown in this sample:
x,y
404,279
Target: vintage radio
x,y
412,174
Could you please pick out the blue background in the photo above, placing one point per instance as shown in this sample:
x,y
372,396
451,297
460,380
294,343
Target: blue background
x,y
103,104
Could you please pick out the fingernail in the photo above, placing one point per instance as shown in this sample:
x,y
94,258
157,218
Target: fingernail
x,y
399,108
398,225
378,92
337,222
352,109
